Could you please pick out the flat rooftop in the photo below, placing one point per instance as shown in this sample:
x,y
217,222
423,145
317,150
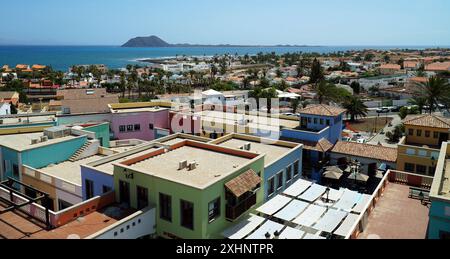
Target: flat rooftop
x,y
108,167
17,225
28,121
397,217
21,142
69,171
272,151
145,109
212,165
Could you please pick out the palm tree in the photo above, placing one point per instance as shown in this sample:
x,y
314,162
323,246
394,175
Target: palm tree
x,y
418,101
434,91
355,108
122,84
295,103
324,91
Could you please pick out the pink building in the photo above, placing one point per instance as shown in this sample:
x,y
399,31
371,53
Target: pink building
x,y
139,123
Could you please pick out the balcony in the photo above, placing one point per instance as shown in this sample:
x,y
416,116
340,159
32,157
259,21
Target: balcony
x,y
234,212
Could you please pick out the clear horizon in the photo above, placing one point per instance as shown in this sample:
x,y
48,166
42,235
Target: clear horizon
x,y
288,22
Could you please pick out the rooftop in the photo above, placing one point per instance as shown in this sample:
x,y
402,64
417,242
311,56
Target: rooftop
x,y
366,151
427,120
69,171
16,225
272,150
107,165
146,109
396,216
22,142
208,171
322,110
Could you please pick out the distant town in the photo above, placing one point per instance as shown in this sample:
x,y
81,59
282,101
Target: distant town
x,y
344,145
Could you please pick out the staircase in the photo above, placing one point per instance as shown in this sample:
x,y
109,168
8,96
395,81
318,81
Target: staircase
x,y
77,156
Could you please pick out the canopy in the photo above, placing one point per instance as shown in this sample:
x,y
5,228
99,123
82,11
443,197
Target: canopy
x,y
330,221
273,205
268,227
347,225
334,169
291,233
348,200
243,228
310,216
292,210
362,203
297,188
313,193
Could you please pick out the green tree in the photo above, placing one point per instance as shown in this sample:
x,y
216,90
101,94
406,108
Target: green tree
x,y
316,72
13,108
356,87
295,103
435,90
418,101
355,108
369,57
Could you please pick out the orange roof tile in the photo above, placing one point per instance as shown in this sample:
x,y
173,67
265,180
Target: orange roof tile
x,y
390,66
243,183
323,110
427,120
366,151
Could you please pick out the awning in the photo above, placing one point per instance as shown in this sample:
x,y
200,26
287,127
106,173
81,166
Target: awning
x,y
273,205
243,183
358,177
334,169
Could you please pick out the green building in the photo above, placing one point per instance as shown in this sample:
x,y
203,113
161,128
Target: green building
x,y
198,189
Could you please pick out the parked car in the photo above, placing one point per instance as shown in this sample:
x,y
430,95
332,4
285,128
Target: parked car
x,y
383,110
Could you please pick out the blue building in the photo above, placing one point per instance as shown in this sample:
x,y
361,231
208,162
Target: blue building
x,y
319,130
282,163
439,217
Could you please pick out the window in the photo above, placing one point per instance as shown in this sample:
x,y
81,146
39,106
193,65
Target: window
x,y
410,168
296,168
15,171
106,189
142,197
420,169
187,214
427,133
419,133
122,128
137,127
130,128
214,210
431,170
165,207
271,187
288,173
423,153
280,180
151,126
411,132
89,189
315,120
309,120
411,152
435,134
321,121
328,122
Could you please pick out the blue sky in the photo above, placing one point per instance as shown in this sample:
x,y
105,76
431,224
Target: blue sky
x,y
318,22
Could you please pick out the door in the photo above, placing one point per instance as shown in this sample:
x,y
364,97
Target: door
x,y
142,197
124,192
304,123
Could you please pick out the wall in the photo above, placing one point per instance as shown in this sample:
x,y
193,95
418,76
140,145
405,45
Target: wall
x,y
416,158
52,154
84,118
12,157
101,132
201,198
423,140
159,119
99,179
439,219
305,135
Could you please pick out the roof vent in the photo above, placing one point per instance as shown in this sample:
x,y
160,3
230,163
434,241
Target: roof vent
x,y
248,146
34,141
44,138
192,166
182,164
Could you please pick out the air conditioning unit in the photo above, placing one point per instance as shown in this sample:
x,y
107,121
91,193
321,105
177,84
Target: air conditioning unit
x,y
182,164
34,141
44,138
192,166
248,146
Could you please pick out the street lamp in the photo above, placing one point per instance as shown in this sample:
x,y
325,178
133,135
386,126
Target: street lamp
x,y
328,193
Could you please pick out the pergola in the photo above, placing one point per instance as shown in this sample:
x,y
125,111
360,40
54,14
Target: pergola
x,y
8,185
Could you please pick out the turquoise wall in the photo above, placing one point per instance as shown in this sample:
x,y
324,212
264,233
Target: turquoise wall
x,y
101,132
52,154
438,220
12,156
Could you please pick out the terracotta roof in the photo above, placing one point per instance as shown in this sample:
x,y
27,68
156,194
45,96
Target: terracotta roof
x,y
366,151
438,66
390,66
410,64
38,67
22,66
418,79
8,95
324,110
243,183
427,120
322,145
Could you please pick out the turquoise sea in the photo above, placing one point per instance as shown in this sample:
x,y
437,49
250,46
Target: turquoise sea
x,y
63,57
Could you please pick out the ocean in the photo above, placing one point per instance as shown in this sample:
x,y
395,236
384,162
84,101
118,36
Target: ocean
x,y
63,57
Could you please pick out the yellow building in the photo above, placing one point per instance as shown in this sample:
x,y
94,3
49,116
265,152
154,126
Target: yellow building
x,y
418,151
